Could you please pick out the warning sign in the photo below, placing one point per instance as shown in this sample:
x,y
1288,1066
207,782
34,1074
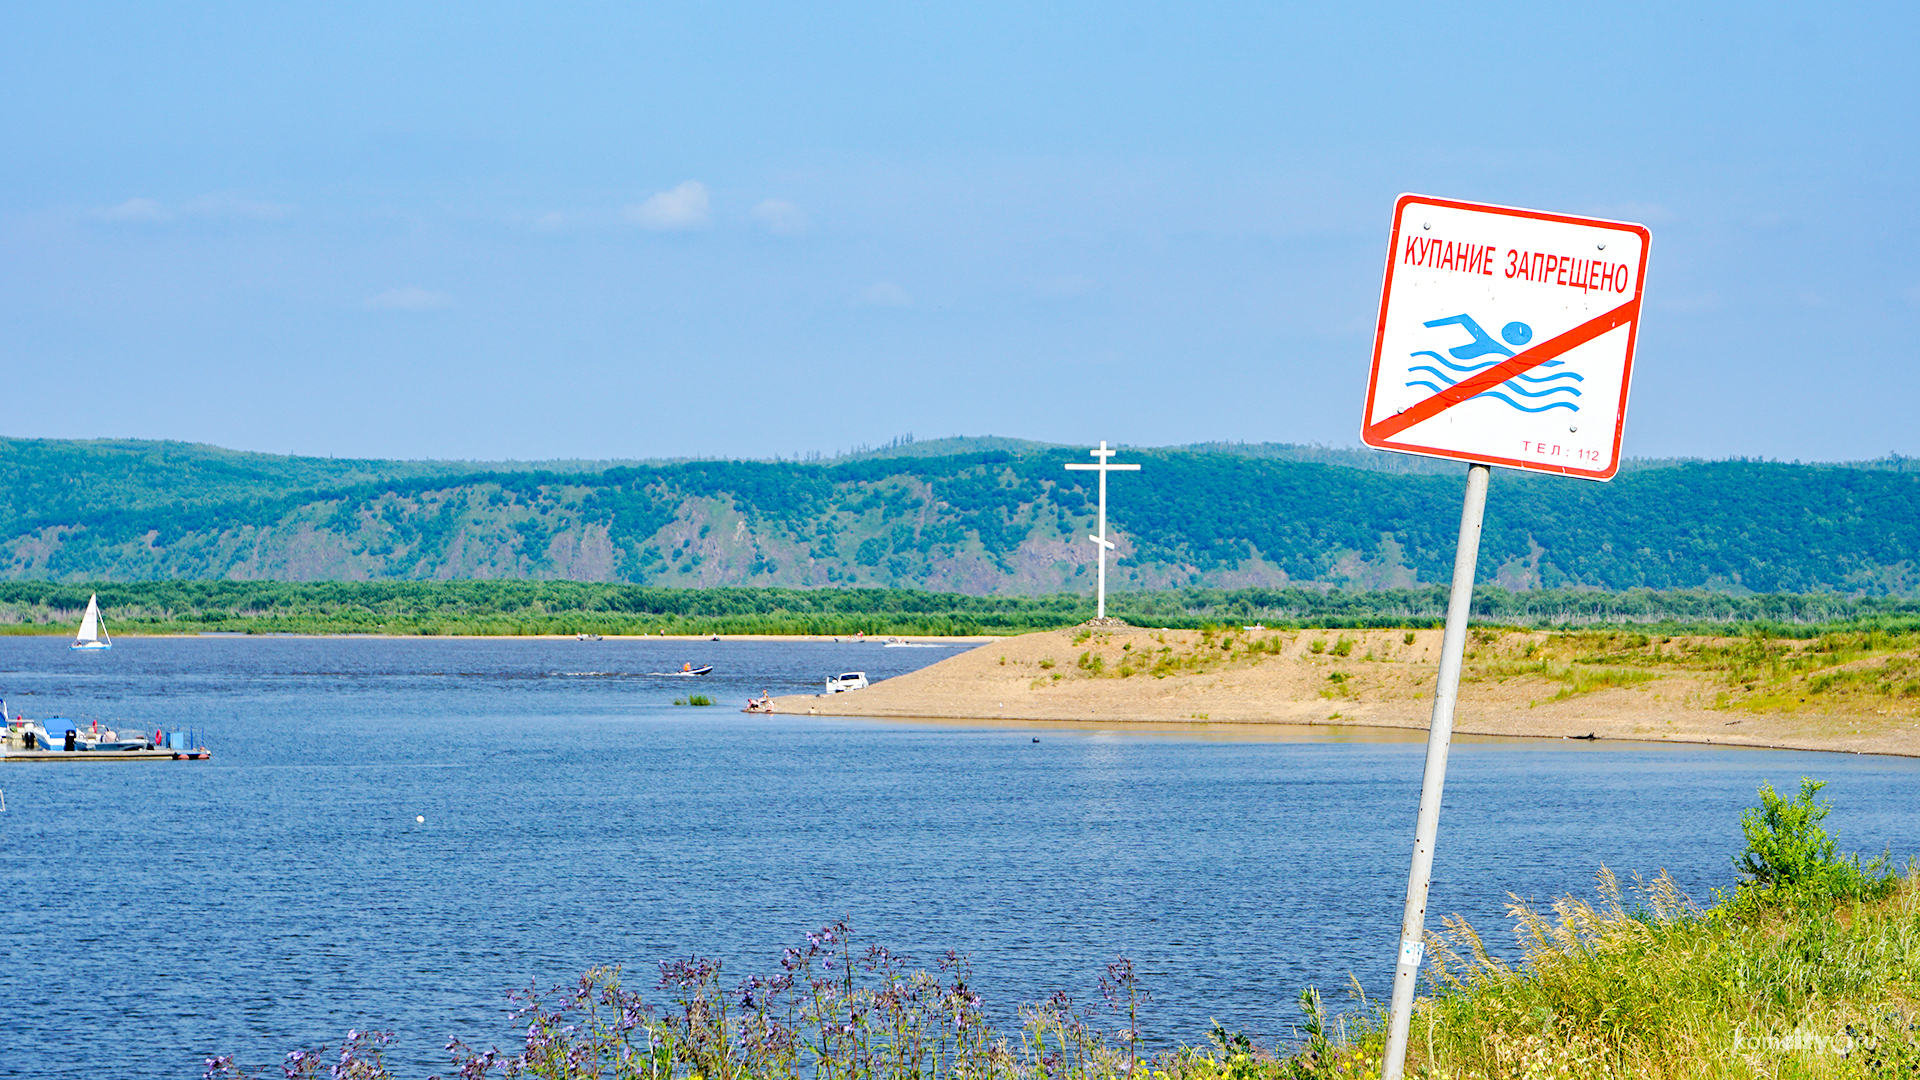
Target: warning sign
x,y
1506,337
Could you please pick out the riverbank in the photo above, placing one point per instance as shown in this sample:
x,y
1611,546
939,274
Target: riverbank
x,y
1854,693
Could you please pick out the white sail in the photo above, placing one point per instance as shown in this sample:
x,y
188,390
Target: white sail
x,y
92,635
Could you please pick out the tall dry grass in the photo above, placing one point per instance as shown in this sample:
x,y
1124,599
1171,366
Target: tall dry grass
x,y
1642,982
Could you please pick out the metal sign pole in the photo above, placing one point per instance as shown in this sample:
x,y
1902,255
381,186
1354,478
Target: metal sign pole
x,y
1439,737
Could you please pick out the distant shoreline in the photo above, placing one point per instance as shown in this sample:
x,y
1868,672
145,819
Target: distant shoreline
x,y
517,608
845,639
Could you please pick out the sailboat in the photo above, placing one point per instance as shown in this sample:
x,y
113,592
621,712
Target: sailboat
x,y
92,634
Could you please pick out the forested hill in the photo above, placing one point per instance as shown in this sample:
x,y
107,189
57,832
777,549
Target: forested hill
x,y
994,521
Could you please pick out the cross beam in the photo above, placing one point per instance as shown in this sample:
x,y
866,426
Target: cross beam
x,y
1101,543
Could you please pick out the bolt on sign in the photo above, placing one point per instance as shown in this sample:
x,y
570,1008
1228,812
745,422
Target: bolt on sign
x,y
1506,337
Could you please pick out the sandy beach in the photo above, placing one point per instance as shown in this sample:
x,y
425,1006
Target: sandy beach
x,y
1515,683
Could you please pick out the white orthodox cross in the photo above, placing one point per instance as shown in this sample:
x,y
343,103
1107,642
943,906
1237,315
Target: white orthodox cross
x,y
1101,542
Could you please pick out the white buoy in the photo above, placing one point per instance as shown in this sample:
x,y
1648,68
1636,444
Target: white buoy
x,y
420,819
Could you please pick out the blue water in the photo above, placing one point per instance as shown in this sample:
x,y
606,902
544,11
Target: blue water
x,y
284,892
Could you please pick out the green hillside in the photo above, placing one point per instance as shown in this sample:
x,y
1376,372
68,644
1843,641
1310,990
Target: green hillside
x,y
979,521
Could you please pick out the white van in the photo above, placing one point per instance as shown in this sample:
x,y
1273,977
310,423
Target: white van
x,y
851,680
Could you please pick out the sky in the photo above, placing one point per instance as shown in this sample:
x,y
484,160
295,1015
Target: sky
x,y
512,231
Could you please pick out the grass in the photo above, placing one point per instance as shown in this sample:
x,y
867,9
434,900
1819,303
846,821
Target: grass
x,y
1574,679
1643,983
1865,671
1859,673
1810,967
1152,654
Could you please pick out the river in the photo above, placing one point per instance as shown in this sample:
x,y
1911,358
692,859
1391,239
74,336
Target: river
x,y
394,832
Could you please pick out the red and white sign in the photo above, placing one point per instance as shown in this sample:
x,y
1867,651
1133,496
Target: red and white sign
x,y
1506,337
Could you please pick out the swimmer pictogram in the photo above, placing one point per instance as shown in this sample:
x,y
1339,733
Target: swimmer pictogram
x,y
1542,392
1506,336
1497,373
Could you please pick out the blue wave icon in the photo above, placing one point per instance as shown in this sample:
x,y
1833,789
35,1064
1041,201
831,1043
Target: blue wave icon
x,y
1541,389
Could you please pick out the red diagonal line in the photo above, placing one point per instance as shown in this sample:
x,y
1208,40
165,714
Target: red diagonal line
x,y
1499,373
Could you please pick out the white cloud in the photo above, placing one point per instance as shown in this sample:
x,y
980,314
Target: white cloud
x,y
685,207
410,298
781,217
885,294
233,206
132,210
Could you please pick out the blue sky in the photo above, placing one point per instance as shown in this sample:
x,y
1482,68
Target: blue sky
x,y
492,230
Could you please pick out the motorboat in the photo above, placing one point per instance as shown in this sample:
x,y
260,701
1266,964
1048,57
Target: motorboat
x,y
584,636
25,734
686,671
94,739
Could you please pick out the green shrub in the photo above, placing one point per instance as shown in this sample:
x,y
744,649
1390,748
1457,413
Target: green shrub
x,y
1790,857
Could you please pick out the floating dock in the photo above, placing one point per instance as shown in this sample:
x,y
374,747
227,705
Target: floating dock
x,y
22,739
105,755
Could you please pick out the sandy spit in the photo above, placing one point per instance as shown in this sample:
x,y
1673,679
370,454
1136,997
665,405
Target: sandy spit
x,y
1383,682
